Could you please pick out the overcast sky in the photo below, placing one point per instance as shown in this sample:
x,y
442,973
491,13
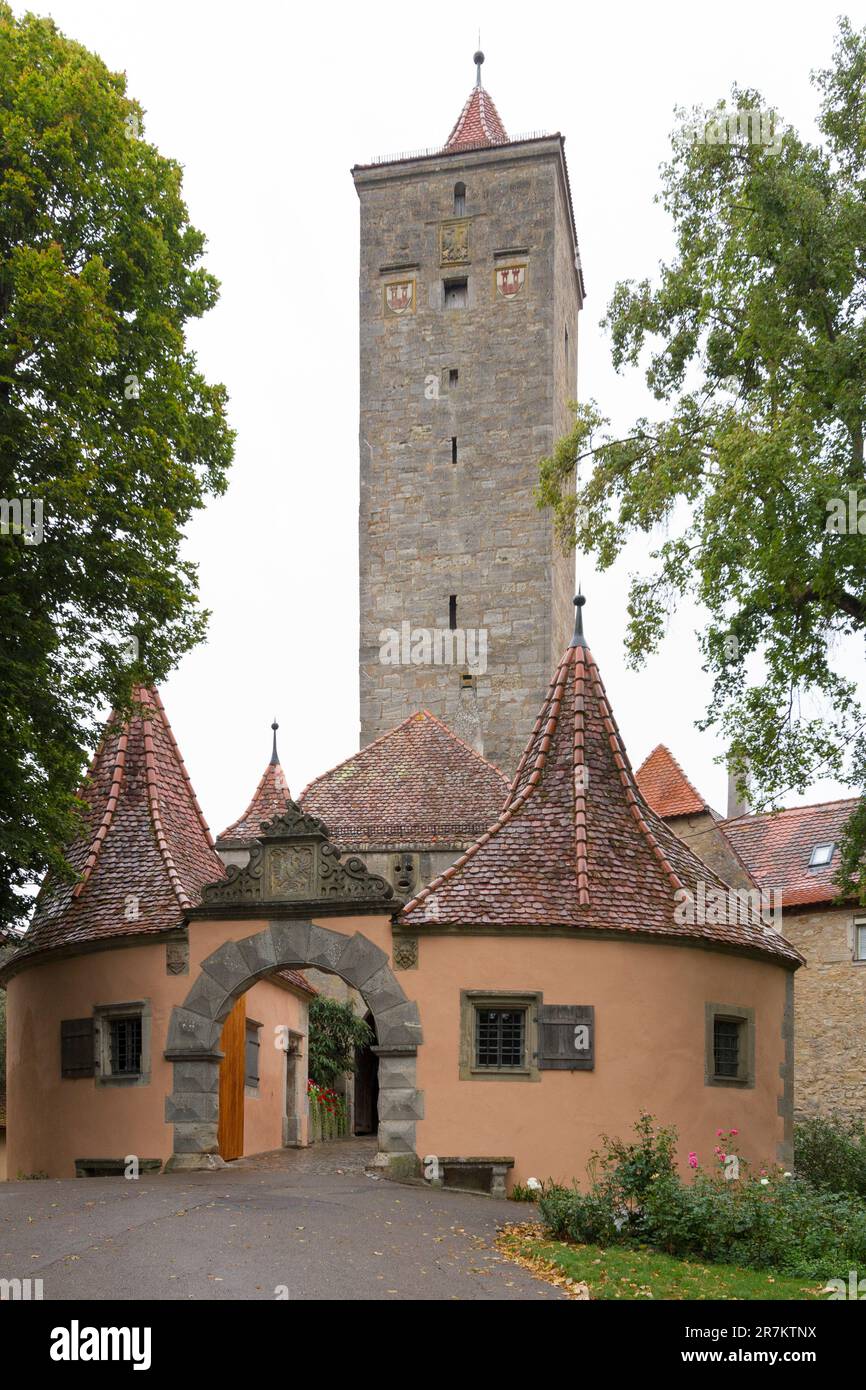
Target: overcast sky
x,y
267,106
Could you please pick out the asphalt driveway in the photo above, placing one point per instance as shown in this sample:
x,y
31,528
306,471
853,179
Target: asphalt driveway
x,y
298,1224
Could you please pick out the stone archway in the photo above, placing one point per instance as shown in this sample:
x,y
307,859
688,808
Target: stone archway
x,y
194,1033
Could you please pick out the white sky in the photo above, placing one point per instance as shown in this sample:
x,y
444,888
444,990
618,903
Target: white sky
x,y
267,106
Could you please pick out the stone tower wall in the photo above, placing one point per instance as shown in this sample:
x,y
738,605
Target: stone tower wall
x,y
431,527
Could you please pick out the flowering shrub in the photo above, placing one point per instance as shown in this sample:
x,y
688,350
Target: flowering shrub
x,y
328,1114
768,1221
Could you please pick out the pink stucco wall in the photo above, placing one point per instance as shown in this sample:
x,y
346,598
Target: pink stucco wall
x,y
649,1003
54,1121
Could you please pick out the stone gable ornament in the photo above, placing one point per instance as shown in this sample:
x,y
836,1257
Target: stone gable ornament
x,y
293,864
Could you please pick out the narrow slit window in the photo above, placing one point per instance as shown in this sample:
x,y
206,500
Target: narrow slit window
x,y
125,1046
454,448
452,612
459,199
726,1047
453,376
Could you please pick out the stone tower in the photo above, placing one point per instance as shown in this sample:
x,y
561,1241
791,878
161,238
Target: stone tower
x,y
470,290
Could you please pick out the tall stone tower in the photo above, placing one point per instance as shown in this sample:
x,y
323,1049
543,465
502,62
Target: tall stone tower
x,y
470,289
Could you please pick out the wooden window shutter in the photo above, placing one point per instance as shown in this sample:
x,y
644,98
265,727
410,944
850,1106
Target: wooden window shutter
x,y
77,1047
251,1055
566,1037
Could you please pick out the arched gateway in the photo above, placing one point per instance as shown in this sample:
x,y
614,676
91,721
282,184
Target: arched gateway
x,y
293,876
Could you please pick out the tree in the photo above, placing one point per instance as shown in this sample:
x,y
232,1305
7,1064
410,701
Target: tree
x,y
110,437
335,1033
756,344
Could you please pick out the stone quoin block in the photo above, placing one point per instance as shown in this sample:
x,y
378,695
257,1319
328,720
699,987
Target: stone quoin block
x,y
189,1032
399,1026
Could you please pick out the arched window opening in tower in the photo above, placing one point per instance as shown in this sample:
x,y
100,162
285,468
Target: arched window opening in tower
x,y
459,199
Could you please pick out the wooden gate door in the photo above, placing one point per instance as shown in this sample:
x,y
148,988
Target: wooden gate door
x,y
230,1132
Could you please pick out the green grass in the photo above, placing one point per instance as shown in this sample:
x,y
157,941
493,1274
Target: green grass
x,y
641,1273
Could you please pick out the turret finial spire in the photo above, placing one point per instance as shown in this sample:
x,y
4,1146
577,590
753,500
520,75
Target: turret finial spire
x,y
275,726
578,639
478,59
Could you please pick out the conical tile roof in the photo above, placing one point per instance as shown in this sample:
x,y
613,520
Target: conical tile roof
x,y
478,124
269,800
144,851
577,846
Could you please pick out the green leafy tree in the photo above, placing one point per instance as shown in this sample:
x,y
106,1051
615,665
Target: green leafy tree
x,y
335,1033
110,436
753,341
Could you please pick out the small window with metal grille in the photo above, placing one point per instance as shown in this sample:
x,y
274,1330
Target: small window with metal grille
x,y
125,1045
726,1047
500,1037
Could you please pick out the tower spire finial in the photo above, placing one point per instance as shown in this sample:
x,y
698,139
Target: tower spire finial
x,y
478,59
578,639
275,726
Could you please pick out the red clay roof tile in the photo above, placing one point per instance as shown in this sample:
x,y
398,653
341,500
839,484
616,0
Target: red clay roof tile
x,y
666,787
777,846
478,123
144,851
269,800
417,783
576,845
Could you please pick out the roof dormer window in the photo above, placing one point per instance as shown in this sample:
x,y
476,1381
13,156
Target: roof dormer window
x,y
821,855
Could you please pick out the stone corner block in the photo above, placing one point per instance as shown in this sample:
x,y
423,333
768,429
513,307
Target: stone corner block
x,y
191,1032
399,1026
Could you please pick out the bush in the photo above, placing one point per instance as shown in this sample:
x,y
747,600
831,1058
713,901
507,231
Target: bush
x,y
767,1222
587,1218
830,1151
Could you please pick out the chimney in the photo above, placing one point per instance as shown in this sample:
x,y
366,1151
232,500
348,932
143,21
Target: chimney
x,y
737,805
467,723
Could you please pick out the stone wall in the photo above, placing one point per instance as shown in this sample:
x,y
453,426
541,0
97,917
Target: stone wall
x,y
702,834
829,1012
431,527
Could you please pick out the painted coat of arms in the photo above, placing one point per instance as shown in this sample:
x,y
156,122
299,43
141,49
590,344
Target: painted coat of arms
x,y
510,280
400,297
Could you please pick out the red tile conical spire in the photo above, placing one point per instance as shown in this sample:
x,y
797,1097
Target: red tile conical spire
x,y
269,800
576,845
478,123
144,851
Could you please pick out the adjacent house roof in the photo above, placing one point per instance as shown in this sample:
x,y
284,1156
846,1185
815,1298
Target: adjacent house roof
x,y
665,786
269,799
418,783
777,846
144,851
576,844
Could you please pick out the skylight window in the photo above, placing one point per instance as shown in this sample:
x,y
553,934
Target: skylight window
x,y
821,854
